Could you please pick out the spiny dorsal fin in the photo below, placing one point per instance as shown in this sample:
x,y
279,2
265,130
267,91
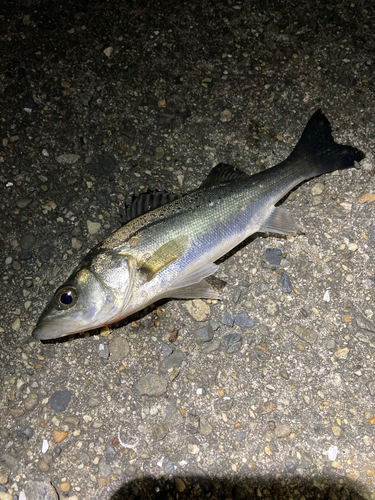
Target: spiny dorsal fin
x,y
223,173
165,256
145,202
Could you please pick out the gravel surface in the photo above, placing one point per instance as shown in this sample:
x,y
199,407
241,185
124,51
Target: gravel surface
x,y
267,393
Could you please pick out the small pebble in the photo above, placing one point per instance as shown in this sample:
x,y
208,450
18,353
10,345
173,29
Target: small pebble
x,y
59,436
284,374
76,244
198,309
103,351
244,321
93,227
330,344
193,449
240,436
273,256
64,486
152,385
159,153
224,404
342,353
16,324
318,188
214,325
57,451
60,400
71,420
204,427
6,496
110,451
94,401
282,431
3,478
105,470
43,466
285,283
371,387
159,431
4,433
45,253
31,401
108,51
180,485
23,202
167,349
67,159
48,457
204,334
233,342
173,373
227,319
226,116
119,349
27,241
171,328
305,333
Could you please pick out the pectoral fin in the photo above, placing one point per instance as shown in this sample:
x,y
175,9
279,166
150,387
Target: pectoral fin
x,y
280,222
165,256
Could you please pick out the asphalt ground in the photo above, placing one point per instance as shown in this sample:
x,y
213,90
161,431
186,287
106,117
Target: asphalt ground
x,y
267,393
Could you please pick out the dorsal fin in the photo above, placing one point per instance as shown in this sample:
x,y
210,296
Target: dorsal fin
x,y
145,202
223,173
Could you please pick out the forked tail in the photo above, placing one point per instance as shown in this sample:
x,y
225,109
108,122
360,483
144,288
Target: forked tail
x,y
318,153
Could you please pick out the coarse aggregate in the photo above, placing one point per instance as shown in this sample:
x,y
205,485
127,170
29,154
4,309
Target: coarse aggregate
x,y
267,393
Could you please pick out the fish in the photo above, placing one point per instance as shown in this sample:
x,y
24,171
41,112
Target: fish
x,y
169,246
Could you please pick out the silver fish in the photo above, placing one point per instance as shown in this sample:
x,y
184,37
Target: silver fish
x,y
168,251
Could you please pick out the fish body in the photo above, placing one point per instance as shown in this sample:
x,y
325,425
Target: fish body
x,y
170,250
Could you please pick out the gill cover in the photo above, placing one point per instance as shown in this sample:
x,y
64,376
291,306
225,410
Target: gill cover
x,y
97,293
116,272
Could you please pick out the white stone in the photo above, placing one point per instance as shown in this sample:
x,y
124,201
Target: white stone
x,y
45,446
332,453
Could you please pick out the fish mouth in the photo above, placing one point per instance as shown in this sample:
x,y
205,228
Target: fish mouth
x,y
45,330
44,333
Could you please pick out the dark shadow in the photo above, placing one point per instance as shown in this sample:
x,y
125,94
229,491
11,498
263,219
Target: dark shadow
x,y
252,488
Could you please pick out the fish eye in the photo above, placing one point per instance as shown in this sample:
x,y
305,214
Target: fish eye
x,y
66,296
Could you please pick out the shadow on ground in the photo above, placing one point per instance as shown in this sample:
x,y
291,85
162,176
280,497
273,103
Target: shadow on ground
x,y
296,488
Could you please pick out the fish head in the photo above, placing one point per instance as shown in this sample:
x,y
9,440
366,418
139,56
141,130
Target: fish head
x,y
96,294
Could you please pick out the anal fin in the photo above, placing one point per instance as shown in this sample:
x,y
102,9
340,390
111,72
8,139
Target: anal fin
x,y
192,283
280,222
201,290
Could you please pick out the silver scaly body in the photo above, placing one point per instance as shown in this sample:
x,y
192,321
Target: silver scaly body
x,y
170,250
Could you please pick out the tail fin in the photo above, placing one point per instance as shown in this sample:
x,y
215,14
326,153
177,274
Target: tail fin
x,y
319,149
